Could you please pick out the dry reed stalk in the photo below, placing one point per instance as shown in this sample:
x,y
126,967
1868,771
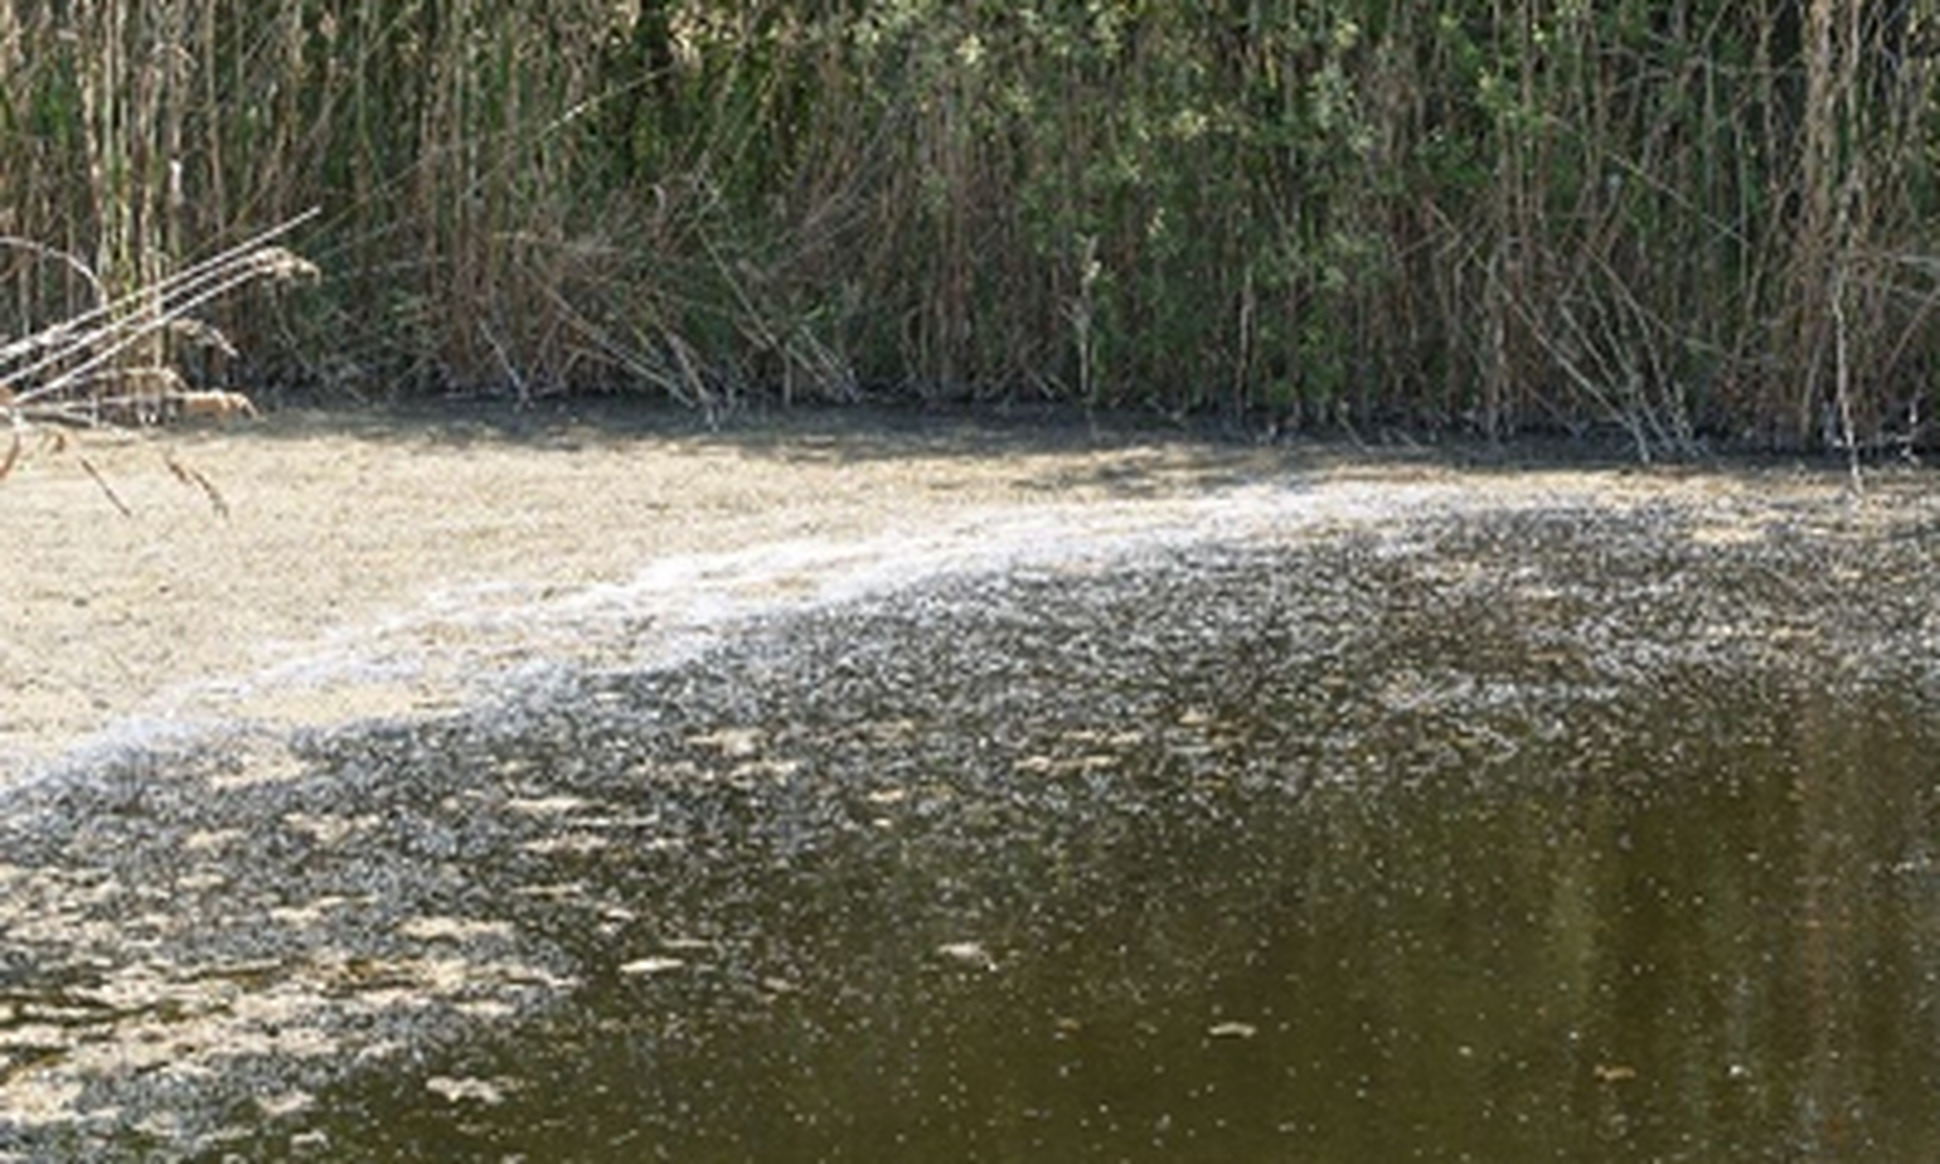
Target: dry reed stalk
x,y
55,373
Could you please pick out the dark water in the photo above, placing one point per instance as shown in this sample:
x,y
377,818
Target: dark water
x,y
1233,856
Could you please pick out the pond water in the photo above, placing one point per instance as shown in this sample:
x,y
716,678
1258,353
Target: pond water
x,y
1556,841
1558,834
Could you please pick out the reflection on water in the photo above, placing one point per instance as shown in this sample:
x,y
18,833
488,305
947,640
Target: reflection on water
x,y
1253,857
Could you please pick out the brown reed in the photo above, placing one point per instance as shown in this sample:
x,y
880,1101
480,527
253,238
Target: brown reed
x,y
1687,224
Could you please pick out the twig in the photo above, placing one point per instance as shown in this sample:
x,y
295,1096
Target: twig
x,y
188,475
522,394
106,488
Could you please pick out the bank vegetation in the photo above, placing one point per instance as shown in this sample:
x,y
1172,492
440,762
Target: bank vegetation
x,y
1682,221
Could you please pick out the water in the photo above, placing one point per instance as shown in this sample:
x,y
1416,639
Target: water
x,y
1730,954
1548,836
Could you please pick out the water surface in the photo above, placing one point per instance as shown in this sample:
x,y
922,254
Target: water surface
x,y
1544,837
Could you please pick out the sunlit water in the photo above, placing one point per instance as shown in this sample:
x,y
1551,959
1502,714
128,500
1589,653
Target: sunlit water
x,y
1547,836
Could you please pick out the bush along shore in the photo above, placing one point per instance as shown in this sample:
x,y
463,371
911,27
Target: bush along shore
x,y
1686,223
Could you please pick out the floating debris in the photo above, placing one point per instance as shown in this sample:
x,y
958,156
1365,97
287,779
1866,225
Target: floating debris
x,y
733,743
689,944
489,1092
310,1143
546,805
286,1104
454,929
641,967
968,954
1279,766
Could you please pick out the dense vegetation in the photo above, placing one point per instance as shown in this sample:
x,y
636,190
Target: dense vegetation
x,y
1682,218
